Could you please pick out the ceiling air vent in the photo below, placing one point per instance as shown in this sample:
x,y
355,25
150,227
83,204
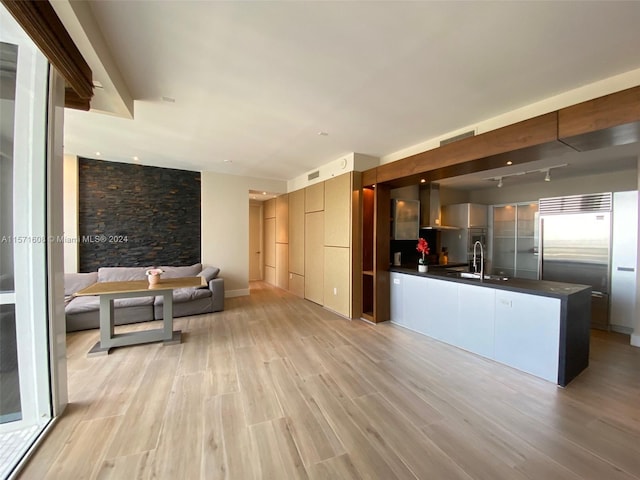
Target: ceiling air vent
x,y
470,133
313,175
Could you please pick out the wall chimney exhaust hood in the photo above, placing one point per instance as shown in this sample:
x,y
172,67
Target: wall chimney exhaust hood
x,y
430,208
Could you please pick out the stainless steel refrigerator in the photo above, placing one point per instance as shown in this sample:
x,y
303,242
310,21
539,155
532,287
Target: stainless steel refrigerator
x,y
575,244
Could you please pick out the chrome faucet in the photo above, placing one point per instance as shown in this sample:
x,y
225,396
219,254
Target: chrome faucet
x,y
475,265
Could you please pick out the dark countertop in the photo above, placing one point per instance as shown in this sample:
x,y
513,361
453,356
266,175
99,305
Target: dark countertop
x,y
533,287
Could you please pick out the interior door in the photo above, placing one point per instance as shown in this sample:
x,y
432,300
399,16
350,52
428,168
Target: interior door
x,y
255,242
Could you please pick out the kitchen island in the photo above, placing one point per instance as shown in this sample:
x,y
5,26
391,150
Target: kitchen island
x,y
539,327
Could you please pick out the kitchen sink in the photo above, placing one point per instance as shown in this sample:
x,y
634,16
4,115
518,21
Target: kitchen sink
x,y
477,276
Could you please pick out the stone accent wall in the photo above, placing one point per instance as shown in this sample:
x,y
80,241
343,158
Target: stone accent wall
x,y
134,215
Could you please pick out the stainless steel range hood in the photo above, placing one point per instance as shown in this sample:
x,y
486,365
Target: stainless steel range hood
x,y
430,215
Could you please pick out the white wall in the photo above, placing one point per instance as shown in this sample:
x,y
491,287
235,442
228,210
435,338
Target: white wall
x,y
70,206
225,225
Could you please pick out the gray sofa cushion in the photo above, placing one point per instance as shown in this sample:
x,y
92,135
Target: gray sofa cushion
x,y
92,303
121,274
181,295
178,272
74,282
209,273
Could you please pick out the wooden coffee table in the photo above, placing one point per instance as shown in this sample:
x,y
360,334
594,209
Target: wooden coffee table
x,y
109,291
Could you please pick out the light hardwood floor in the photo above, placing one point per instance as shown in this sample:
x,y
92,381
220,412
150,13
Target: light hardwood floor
x,y
276,387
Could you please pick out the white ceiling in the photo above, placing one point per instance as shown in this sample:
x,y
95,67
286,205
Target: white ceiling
x,y
254,82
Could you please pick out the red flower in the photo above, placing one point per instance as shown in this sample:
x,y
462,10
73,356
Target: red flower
x,y
423,247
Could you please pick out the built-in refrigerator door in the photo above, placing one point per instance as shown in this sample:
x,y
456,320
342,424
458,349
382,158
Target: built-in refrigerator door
x,y
575,249
624,261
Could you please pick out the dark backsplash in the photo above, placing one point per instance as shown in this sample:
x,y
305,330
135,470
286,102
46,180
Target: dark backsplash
x,y
134,215
410,255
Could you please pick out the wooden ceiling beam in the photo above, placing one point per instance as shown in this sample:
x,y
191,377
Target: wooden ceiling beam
x,y
40,22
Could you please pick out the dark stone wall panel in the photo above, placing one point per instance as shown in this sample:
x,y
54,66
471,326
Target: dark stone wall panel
x,y
133,215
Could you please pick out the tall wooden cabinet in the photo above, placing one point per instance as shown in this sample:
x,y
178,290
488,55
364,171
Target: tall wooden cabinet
x,y
296,242
270,241
314,243
282,241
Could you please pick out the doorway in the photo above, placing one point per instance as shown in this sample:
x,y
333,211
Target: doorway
x,y
255,241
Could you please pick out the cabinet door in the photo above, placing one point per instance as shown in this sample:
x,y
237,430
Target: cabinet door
x,y
314,257
397,300
337,280
282,265
476,309
504,239
337,211
527,241
282,219
416,305
270,242
314,198
440,302
296,232
527,333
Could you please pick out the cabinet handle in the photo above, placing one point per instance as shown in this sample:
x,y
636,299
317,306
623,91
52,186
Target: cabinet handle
x,y
626,269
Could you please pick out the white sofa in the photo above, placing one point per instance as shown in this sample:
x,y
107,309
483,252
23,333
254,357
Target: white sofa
x,y
83,313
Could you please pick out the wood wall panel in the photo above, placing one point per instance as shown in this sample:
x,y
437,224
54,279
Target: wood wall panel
x,y
270,275
270,242
270,208
314,198
296,285
282,265
337,280
296,232
282,219
314,257
337,211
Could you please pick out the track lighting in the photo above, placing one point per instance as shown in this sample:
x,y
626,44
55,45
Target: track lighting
x,y
547,177
499,182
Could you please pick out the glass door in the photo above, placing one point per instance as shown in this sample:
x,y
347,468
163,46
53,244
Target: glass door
x,y
515,240
25,390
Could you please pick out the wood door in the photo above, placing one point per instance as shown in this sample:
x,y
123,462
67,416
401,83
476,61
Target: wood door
x,y
255,242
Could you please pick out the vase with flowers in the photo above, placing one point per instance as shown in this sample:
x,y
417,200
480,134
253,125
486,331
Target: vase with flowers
x,y
423,248
153,275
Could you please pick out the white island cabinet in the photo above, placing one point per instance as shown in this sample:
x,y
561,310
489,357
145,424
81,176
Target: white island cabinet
x,y
527,333
543,333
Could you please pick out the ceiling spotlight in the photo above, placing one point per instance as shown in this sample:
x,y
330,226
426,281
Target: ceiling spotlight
x,y
509,162
422,180
499,182
98,154
264,193
547,177
135,159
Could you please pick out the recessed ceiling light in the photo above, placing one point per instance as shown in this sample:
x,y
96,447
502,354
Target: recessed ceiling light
x,y
135,159
168,99
226,160
264,193
98,154
509,162
422,180
323,134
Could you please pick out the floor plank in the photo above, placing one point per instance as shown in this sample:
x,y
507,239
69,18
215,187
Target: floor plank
x,y
278,387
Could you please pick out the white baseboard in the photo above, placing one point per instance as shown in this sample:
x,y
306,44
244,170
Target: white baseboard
x,y
621,329
236,293
635,339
